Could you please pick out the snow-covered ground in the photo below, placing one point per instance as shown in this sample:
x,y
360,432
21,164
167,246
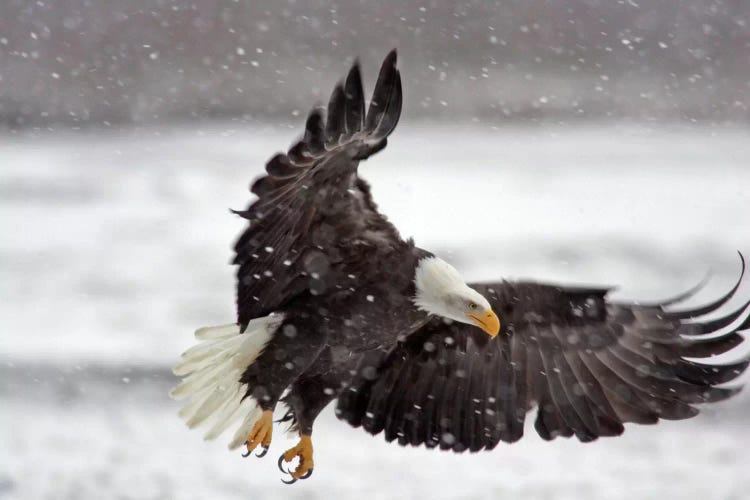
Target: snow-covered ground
x,y
115,248
96,433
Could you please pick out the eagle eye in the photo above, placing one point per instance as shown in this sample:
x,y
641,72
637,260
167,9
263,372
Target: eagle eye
x,y
472,306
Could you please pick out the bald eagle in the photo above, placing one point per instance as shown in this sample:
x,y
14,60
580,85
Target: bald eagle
x,y
332,303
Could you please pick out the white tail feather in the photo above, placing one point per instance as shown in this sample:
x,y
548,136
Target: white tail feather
x,y
187,411
217,332
211,372
211,375
208,407
210,348
229,416
247,425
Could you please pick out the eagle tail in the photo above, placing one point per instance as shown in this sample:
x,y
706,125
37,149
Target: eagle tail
x,y
211,372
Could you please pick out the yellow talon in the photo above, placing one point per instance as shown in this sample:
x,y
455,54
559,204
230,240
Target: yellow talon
x,y
262,432
303,450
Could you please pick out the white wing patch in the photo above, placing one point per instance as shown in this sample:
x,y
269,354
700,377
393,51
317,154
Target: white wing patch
x,y
211,372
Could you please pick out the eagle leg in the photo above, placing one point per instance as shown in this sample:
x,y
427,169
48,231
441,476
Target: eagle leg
x,y
261,434
304,451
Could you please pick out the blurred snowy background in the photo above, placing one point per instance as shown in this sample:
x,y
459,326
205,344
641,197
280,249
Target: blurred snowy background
x,y
575,141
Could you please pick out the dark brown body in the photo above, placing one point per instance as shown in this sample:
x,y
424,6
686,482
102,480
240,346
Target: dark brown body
x,y
323,337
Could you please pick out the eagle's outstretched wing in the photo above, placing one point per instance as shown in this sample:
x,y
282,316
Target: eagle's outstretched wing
x,y
312,211
587,364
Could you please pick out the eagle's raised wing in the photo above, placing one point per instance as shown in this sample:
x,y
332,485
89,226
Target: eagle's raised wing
x,y
312,211
587,364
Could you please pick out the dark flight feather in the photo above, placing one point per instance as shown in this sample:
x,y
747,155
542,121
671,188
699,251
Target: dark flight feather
x,y
711,307
335,125
354,101
385,106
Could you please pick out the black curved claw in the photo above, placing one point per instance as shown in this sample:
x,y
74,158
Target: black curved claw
x,y
292,480
262,453
307,474
281,460
247,453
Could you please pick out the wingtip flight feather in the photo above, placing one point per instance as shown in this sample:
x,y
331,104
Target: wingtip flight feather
x,y
354,100
716,304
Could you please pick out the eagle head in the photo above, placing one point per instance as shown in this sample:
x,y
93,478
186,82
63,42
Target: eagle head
x,y
441,290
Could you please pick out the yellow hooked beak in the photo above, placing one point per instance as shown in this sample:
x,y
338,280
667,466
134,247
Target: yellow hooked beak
x,y
489,322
